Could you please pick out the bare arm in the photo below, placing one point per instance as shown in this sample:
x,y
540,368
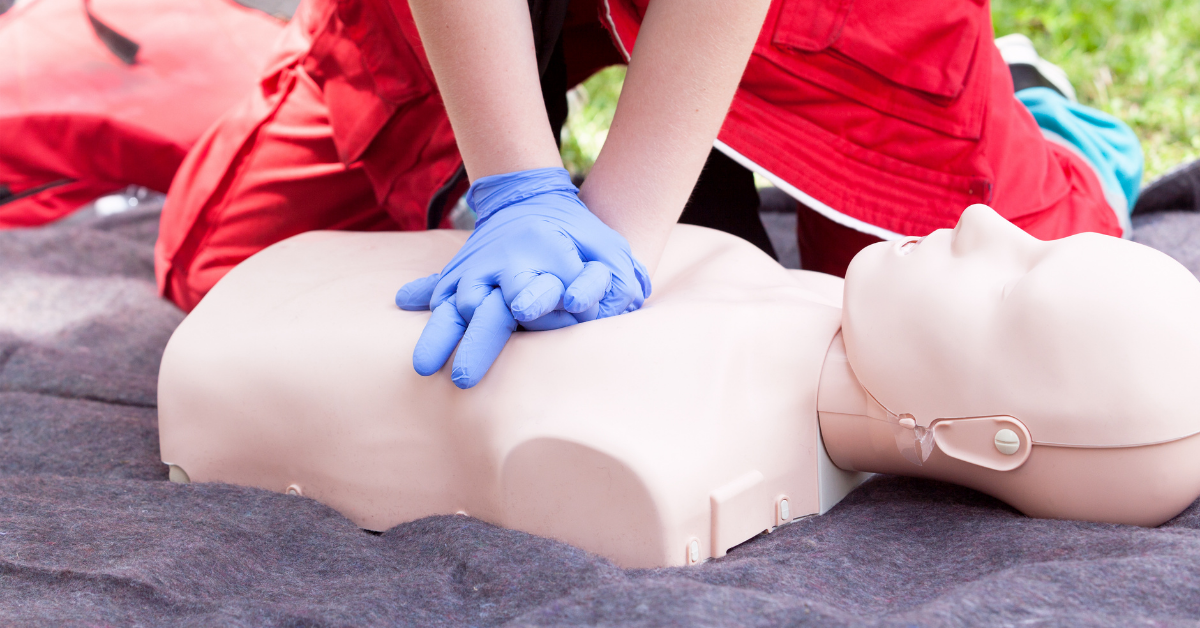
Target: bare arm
x,y
689,57
483,57
551,261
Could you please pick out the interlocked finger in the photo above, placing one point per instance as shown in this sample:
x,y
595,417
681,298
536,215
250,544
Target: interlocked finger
x,y
441,334
486,334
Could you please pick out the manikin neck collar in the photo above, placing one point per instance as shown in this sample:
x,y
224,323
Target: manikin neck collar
x,y
916,442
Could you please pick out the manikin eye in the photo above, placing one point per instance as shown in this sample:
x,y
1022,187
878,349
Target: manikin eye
x,y
908,245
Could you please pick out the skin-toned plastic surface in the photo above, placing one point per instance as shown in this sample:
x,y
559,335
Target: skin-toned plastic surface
x,y
660,437
1087,349
1056,376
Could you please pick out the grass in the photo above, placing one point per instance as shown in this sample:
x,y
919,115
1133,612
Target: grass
x,y
1136,59
590,108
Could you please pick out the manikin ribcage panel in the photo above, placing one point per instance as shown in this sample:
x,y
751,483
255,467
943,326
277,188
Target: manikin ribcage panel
x,y
654,438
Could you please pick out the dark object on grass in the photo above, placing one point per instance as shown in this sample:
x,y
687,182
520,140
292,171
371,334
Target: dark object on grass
x,y
1025,76
1177,190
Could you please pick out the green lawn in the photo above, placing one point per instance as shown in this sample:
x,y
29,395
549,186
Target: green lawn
x,y
590,108
1138,60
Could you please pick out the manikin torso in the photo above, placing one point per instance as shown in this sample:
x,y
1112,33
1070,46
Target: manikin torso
x,y
660,437
724,407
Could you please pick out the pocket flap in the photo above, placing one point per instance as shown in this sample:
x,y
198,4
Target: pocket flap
x,y
921,45
925,46
810,26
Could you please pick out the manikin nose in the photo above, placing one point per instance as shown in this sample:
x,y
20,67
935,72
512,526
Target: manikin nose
x,y
980,228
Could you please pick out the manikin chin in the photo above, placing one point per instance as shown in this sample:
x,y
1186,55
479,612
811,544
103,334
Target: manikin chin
x,y
1056,376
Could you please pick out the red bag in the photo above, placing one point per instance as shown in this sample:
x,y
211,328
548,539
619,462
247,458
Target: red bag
x,y
77,121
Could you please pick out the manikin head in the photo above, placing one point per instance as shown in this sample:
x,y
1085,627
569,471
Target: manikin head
x,y
1090,341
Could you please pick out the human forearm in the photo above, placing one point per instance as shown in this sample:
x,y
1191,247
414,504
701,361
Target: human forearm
x,y
538,256
689,57
483,57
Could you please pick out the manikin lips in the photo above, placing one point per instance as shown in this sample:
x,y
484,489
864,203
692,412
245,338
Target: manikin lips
x,y
907,245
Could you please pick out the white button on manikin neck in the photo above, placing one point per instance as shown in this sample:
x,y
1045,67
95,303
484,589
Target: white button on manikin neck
x,y
693,550
1007,442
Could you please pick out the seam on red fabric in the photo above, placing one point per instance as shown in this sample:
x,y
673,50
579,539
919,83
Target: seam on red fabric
x,y
612,31
829,191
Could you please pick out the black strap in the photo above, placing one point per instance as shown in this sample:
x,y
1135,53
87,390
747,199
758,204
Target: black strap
x,y
121,46
7,196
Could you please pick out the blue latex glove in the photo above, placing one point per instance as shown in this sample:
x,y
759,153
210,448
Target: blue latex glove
x,y
537,258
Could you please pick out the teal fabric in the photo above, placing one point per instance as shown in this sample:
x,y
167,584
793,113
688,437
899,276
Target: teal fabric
x,y
1105,141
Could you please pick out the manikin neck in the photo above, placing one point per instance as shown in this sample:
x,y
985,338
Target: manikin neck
x,y
839,390
842,399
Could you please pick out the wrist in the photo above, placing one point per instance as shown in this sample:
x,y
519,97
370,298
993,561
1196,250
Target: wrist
x,y
490,194
630,215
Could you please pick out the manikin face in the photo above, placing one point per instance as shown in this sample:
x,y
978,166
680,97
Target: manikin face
x,y
1089,340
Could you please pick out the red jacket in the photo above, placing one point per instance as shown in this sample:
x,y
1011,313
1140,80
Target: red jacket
x,y
892,116
889,116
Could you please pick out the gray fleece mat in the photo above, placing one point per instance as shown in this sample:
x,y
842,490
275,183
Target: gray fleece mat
x,y
92,534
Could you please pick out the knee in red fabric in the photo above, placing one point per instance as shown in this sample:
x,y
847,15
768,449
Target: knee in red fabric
x,y
269,170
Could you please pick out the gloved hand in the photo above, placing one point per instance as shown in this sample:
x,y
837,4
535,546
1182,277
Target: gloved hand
x,y
537,258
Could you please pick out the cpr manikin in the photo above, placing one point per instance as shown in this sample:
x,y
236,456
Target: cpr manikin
x,y
1057,376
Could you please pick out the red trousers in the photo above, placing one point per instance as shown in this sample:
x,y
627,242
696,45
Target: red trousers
x,y
299,154
877,135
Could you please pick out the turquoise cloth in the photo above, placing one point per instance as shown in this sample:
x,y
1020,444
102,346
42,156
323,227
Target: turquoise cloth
x,y
1105,141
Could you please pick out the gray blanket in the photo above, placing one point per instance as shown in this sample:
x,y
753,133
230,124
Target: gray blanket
x,y
92,534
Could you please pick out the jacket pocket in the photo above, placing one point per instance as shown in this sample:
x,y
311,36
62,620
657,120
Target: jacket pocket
x,y
913,59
